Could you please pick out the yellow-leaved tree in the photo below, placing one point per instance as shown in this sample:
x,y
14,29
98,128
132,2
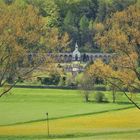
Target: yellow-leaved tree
x,y
120,35
23,43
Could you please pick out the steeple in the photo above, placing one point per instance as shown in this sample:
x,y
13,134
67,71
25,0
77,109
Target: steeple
x,y
76,46
76,54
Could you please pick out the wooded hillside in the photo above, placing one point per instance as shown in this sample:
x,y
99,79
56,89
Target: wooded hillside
x,y
76,17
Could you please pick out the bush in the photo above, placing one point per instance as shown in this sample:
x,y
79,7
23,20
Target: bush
x,y
53,79
100,87
46,81
100,97
20,80
70,81
10,80
62,81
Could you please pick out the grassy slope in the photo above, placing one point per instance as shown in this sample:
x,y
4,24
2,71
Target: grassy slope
x,y
25,105
119,123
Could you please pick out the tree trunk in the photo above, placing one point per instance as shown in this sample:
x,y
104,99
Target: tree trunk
x,y
114,96
86,97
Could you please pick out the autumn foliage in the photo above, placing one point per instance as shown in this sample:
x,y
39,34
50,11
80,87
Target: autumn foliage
x,y
121,37
24,42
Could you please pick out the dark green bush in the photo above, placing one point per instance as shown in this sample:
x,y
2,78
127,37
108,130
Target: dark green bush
x,y
53,79
100,97
20,80
100,87
62,81
10,80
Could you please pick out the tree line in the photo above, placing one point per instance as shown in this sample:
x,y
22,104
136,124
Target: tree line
x,y
78,18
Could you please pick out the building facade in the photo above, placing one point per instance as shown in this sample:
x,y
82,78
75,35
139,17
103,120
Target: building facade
x,y
82,57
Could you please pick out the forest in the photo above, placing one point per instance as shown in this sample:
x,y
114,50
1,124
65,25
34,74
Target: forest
x,y
77,18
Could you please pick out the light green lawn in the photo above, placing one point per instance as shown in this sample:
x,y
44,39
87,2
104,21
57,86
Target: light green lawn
x,y
121,124
113,136
71,117
25,105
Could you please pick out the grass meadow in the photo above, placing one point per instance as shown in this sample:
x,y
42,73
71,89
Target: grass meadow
x,y
23,116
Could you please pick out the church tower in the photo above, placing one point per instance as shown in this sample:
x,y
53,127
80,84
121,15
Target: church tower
x,y
76,56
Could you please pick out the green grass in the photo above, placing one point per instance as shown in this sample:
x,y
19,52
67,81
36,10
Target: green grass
x,y
120,124
23,116
128,135
25,105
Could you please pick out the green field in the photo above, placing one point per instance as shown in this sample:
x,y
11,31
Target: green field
x,y
23,116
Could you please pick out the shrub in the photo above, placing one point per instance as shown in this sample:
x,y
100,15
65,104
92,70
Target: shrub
x,y
100,97
46,81
53,79
70,80
10,80
62,81
100,87
20,80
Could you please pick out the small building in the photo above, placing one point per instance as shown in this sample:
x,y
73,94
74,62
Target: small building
x,y
76,55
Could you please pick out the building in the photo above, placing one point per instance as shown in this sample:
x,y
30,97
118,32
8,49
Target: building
x,y
76,62
82,57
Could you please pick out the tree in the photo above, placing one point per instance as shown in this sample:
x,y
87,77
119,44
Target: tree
x,y
70,27
120,5
114,90
93,9
69,19
23,45
48,9
101,11
57,40
121,36
84,30
87,85
20,33
84,23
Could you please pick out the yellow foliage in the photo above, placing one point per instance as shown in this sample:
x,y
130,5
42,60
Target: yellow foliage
x,y
121,36
106,122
